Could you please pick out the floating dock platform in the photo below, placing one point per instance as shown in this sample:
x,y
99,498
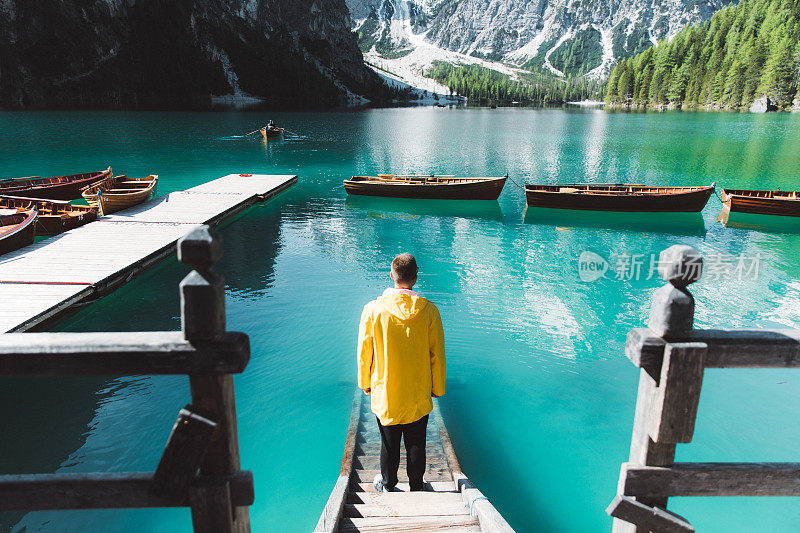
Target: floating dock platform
x,y
42,281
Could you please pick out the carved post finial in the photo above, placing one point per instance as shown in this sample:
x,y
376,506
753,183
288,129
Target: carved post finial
x,y
672,306
202,290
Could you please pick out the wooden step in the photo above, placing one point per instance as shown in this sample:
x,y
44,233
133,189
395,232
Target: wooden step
x,y
438,486
373,462
374,448
366,510
416,524
431,474
410,498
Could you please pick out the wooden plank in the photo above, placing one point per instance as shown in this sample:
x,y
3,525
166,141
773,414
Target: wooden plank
x,y
673,406
30,492
362,510
727,348
374,448
373,462
438,486
35,303
181,458
214,396
406,498
480,506
647,518
134,353
643,449
407,524
711,479
431,474
212,509
332,511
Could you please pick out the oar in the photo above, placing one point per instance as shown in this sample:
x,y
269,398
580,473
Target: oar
x,y
9,197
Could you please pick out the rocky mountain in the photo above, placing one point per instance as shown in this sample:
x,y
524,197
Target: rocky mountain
x,y
178,53
562,36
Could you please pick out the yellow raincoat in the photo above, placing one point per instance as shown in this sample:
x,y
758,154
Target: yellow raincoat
x,y
401,356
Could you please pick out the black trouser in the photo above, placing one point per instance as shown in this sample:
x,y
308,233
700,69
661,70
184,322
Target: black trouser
x,y
414,437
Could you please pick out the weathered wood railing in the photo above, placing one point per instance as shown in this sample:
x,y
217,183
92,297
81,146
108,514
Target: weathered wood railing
x,y
672,357
199,467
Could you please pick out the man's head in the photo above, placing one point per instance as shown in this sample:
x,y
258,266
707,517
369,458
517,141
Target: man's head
x,y
404,270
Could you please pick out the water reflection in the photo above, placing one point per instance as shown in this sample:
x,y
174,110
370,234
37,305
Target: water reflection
x,y
383,207
671,223
762,223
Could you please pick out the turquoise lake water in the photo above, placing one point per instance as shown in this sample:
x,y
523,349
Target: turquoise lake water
x,y
540,396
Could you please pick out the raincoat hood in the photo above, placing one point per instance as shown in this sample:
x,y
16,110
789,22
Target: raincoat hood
x,y
404,304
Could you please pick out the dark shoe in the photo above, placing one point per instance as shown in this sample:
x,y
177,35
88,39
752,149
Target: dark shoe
x,y
425,487
379,485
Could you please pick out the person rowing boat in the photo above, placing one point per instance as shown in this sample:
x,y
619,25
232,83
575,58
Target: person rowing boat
x,y
271,130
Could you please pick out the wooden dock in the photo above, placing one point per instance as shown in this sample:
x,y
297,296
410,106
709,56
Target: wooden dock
x,y
41,281
453,504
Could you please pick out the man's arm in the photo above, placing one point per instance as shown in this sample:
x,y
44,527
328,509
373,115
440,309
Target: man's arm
x,y
365,350
436,348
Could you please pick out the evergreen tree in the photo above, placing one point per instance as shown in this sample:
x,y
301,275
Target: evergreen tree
x,y
741,53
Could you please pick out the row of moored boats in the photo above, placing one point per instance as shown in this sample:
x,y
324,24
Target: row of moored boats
x,y
624,197
37,206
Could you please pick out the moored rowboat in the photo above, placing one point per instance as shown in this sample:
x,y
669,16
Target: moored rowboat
x,y
54,216
426,187
781,203
120,192
54,188
17,228
452,503
619,197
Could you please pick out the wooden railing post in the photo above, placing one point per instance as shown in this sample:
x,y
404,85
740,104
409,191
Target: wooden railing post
x,y
671,316
203,320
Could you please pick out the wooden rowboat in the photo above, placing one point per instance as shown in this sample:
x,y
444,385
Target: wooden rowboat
x,y
54,216
781,203
454,503
270,133
120,192
17,228
55,188
618,197
426,187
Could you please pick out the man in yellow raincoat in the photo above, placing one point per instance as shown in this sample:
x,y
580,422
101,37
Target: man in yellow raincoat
x,y
401,365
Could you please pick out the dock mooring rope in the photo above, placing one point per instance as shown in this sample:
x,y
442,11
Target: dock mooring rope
x,y
514,182
472,503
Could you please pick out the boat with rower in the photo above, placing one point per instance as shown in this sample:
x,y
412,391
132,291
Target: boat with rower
x,y
120,192
271,132
54,188
452,503
55,216
618,197
761,202
17,228
438,187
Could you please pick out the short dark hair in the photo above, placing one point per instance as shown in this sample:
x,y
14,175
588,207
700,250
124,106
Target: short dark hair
x,y
405,268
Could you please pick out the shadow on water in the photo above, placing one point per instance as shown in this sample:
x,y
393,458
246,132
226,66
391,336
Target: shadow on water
x,y
413,208
763,223
52,418
44,421
670,223
254,240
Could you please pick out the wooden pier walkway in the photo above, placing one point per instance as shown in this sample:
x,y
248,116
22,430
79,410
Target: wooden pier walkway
x,y
453,505
41,281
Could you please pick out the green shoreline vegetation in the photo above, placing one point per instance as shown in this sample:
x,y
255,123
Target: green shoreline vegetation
x,y
482,84
742,53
